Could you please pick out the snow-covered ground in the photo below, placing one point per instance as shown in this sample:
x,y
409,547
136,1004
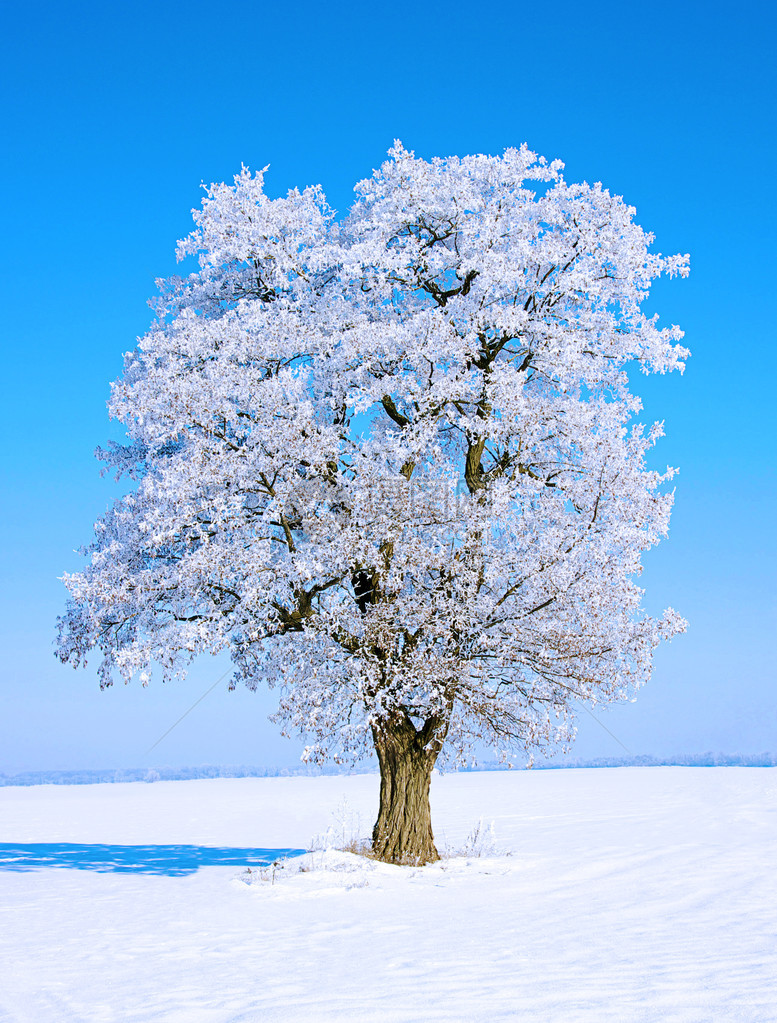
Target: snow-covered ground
x,y
630,894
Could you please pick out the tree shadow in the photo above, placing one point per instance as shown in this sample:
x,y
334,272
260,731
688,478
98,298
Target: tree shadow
x,y
169,860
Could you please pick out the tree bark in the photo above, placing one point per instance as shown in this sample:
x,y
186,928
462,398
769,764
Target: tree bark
x,y
403,830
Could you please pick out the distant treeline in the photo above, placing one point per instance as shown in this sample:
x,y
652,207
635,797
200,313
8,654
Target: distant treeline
x,y
306,771
146,774
680,760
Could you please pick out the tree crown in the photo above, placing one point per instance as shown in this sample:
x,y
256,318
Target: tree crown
x,y
387,461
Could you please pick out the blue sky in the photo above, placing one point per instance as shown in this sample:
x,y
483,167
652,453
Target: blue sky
x,y
114,114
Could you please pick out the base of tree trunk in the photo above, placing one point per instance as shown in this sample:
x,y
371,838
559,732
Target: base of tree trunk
x,y
403,830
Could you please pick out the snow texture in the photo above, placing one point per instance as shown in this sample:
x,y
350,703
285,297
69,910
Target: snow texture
x,y
632,894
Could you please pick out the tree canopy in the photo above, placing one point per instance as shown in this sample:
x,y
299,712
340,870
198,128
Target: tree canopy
x,y
389,463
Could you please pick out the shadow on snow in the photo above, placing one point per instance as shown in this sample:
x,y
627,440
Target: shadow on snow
x,y
170,860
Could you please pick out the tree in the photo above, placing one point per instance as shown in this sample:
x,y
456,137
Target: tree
x,y
386,463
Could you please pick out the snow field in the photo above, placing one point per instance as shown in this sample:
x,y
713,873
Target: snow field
x,y
611,896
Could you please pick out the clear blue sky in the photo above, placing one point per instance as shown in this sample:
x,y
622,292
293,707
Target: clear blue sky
x,y
114,114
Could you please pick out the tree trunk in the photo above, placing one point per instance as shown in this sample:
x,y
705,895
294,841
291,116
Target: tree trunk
x,y
403,830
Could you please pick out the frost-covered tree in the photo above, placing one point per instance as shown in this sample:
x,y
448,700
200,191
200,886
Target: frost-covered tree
x,y
386,463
